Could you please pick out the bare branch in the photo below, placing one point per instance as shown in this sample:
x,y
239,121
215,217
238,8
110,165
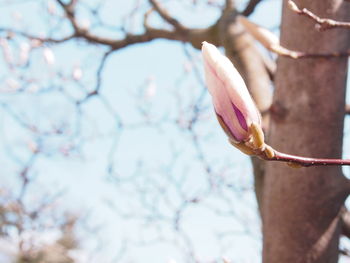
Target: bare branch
x,y
180,32
271,42
321,23
250,7
166,16
229,5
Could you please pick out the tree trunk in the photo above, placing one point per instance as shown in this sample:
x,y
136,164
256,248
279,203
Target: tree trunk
x,y
301,206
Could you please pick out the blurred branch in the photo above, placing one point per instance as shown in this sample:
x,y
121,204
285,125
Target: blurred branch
x,y
250,7
98,79
166,16
179,33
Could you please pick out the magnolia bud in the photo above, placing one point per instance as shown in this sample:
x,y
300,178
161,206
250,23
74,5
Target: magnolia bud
x,y
233,104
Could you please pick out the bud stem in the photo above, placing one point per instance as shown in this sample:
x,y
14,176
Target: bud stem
x,y
304,161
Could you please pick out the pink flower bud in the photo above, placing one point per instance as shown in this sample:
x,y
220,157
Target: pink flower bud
x,y
233,104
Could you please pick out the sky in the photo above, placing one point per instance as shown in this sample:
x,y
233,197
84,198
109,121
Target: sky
x,y
128,180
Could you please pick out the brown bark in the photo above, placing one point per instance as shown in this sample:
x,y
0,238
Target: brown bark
x,y
301,207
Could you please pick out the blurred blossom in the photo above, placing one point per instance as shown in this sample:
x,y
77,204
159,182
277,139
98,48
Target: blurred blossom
x,y
77,73
33,146
85,24
24,53
151,88
12,84
33,88
51,8
17,16
6,50
49,56
188,66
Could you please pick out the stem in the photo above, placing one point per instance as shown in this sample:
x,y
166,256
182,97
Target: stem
x,y
306,161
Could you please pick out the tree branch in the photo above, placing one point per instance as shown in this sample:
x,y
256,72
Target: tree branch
x,y
271,42
166,16
249,9
180,32
321,23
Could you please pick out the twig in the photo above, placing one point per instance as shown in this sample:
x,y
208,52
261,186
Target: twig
x,y
306,161
257,147
284,52
269,154
271,42
166,16
321,23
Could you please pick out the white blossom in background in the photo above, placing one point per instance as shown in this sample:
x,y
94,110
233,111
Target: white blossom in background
x,y
32,88
17,16
49,56
33,146
6,50
51,8
77,72
151,88
12,84
188,66
85,23
24,53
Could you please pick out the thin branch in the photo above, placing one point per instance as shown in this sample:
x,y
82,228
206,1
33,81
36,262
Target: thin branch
x,y
256,146
269,154
321,23
299,54
271,42
33,37
249,9
96,91
166,16
180,32
306,161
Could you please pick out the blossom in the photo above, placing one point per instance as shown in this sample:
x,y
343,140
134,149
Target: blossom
x,y
233,104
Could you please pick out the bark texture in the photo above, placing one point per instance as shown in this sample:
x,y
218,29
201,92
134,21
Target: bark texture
x,y
301,207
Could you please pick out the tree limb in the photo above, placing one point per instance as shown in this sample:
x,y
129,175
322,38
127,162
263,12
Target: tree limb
x,y
166,16
249,9
321,23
